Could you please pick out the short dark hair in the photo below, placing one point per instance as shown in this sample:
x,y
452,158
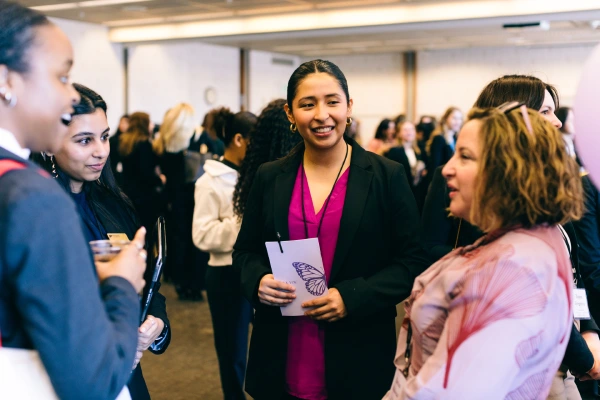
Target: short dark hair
x,y
16,34
90,101
525,88
312,67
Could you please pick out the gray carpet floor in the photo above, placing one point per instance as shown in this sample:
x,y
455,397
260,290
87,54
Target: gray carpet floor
x,y
188,370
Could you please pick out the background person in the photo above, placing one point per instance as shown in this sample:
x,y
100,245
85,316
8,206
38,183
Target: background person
x,y
141,182
215,230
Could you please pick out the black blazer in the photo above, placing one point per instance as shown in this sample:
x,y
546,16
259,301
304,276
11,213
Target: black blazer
x,y
376,261
398,154
440,152
116,217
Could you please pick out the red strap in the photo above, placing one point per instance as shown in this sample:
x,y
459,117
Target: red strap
x,y
8,165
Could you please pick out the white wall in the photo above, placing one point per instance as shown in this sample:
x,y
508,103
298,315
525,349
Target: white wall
x,y
162,75
376,84
268,80
455,77
98,64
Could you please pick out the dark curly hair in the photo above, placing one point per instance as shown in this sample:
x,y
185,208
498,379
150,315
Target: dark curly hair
x,y
16,34
270,140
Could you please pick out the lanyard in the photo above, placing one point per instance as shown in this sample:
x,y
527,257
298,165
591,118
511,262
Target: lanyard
x,y
326,201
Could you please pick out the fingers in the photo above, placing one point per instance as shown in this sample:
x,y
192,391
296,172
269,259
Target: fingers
x,y
140,238
318,302
148,324
273,300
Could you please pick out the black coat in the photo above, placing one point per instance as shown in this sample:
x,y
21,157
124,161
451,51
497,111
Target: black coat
x,y
419,190
376,261
116,217
443,233
440,152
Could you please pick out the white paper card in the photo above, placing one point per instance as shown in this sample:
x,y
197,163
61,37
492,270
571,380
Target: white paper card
x,y
301,266
580,304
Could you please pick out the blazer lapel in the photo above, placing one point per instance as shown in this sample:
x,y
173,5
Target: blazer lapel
x,y
284,186
357,191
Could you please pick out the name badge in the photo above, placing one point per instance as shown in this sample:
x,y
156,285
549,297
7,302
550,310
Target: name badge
x,y
117,236
580,304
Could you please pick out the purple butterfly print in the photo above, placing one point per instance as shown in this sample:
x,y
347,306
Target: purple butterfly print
x,y
315,279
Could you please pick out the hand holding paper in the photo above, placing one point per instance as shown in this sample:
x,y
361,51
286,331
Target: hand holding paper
x,y
275,293
328,308
295,264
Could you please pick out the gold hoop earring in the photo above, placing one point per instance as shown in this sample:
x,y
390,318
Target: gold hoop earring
x,y
54,173
293,128
348,121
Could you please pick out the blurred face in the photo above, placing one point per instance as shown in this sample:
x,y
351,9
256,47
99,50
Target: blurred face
x,y
44,93
455,120
461,171
548,109
124,124
320,110
570,123
408,132
85,148
390,132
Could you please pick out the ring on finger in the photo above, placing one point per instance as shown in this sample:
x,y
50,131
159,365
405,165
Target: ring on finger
x,y
143,254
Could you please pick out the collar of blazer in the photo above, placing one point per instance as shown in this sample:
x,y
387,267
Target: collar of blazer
x,y
357,192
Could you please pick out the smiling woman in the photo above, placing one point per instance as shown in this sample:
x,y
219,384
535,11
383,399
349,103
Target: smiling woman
x,y
80,167
360,207
82,328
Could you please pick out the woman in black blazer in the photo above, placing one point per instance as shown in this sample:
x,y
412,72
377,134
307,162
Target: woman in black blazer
x,y
412,159
82,168
140,181
376,259
440,146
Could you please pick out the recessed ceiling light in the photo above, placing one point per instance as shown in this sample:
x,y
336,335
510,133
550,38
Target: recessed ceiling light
x,y
90,3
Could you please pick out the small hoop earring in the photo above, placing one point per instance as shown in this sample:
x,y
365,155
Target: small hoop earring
x,y
348,121
293,128
9,98
54,173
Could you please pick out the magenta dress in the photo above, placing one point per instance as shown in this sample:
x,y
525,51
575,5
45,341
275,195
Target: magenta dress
x,y
489,321
305,368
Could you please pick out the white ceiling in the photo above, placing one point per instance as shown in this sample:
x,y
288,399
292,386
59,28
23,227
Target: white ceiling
x,y
421,33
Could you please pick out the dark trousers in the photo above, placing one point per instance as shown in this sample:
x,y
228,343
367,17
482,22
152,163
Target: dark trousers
x,y
231,314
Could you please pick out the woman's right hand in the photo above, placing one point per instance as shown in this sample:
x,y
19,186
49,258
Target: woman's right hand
x,y
129,264
275,293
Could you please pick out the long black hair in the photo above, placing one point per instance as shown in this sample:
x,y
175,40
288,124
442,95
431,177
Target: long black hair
x,y
106,186
269,141
16,34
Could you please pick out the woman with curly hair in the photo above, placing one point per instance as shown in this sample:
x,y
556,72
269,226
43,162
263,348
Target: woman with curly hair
x,y
269,141
507,295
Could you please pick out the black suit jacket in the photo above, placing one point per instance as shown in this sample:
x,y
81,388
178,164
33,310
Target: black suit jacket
x,y
116,217
376,261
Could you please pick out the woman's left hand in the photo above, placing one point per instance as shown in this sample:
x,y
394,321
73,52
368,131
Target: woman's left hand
x,y
328,308
147,334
